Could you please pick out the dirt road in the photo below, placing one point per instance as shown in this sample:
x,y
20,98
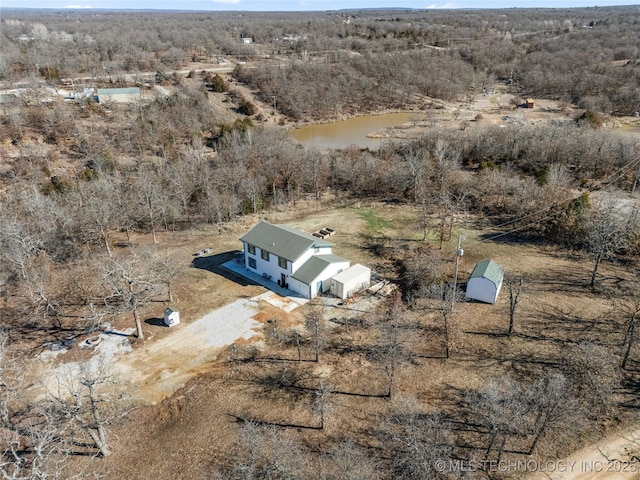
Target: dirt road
x,y
611,459
154,369
157,369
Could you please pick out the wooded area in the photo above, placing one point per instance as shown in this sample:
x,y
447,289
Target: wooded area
x,y
88,189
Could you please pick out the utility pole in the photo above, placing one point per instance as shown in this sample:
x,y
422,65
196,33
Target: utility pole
x,y
459,253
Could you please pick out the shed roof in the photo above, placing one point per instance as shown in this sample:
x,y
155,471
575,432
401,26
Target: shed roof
x,y
119,91
351,272
7,97
488,269
315,266
281,240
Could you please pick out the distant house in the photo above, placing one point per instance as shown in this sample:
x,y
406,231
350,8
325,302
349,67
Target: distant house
x,y
295,260
529,102
86,93
7,98
247,40
485,282
119,95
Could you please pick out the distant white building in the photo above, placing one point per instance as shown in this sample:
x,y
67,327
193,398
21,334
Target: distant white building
x,y
247,40
7,98
119,95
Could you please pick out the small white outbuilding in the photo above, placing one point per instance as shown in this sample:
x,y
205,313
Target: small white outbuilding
x,y
351,280
119,95
171,317
485,282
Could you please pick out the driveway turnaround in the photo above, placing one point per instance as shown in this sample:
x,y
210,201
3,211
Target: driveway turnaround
x,y
158,368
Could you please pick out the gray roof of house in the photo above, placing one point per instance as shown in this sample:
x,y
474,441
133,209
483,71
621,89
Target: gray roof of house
x,y
281,240
488,269
119,91
7,97
315,266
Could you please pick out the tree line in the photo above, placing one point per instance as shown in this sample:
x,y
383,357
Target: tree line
x,y
588,57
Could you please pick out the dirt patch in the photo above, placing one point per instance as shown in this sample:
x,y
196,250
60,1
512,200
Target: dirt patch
x,y
496,109
612,458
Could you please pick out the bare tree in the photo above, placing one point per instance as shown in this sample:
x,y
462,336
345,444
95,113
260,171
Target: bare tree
x,y
442,295
555,408
41,301
265,451
19,245
502,405
446,160
448,206
81,399
289,337
422,440
34,440
320,401
419,169
167,267
630,306
605,233
314,322
593,371
350,462
152,200
392,340
130,285
421,269
95,205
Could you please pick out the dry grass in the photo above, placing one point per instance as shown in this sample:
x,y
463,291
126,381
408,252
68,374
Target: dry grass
x,y
193,430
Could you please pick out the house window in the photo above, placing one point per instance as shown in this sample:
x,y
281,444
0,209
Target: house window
x,y
251,249
265,255
252,262
282,262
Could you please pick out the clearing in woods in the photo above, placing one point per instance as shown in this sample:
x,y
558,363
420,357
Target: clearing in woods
x,y
186,388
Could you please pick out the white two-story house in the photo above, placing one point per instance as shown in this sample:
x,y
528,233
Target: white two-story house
x,y
295,260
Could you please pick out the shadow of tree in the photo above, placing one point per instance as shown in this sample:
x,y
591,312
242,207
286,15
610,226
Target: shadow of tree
x,y
156,322
630,389
213,263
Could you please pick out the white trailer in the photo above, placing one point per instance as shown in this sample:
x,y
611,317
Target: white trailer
x,y
350,281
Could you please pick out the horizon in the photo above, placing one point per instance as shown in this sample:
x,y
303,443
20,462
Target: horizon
x,y
300,5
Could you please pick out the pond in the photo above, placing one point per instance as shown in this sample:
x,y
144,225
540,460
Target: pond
x,y
632,129
352,131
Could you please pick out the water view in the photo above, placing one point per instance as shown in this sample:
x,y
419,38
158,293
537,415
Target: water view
x,y
353,131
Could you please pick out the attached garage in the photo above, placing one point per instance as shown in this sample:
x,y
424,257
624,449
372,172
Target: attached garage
x,y
485,282
351,280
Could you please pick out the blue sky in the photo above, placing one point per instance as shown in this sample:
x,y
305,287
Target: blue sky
x,y
280,5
